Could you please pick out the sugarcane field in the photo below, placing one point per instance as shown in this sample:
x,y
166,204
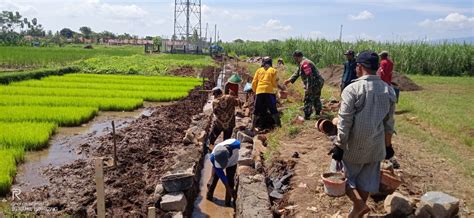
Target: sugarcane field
x,y
190,108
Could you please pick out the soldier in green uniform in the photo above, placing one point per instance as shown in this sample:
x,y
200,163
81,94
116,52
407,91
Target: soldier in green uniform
x,y
313,83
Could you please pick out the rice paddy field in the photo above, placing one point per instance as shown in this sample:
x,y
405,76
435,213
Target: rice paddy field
x,y
31,110
32,57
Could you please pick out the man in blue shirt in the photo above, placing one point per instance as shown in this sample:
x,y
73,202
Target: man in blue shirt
x,y
349,69
224,156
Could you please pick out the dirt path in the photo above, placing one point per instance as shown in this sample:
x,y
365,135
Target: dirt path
x,y
421,171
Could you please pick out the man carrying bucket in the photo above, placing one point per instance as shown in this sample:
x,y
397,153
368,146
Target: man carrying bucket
x,y
365,129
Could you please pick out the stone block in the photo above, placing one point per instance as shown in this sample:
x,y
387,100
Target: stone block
x,y
243,137
175,201
399,205
439,205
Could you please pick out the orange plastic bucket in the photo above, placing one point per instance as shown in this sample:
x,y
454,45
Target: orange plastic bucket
x,y
334,184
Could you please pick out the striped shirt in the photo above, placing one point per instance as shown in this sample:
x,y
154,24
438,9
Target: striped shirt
x,y
366,114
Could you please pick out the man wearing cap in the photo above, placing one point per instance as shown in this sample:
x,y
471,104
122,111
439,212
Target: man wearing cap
x,y
365,129
386,68
264,85
349,69
313,83
224,157
223,108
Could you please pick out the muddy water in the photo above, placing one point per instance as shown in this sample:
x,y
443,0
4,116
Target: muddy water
x,y
63,144
206,208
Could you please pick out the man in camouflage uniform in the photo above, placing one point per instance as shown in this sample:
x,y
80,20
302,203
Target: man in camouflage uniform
x,y
313,83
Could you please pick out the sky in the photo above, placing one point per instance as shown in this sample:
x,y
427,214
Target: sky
x,y
380,20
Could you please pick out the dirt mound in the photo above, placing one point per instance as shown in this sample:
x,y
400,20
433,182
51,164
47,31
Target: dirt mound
x,y
145,150
333,74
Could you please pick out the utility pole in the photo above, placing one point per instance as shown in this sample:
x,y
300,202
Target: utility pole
x,y
340,34
215,33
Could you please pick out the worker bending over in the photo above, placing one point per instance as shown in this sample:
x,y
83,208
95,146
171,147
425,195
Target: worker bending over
x,y
224,157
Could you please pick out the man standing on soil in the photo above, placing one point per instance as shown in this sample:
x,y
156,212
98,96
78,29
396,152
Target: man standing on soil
x,y
365,129
349,69
313,84
386,68
264,85
224,156
223,108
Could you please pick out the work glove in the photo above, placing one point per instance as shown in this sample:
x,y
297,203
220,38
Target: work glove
x,y
389,152
337,153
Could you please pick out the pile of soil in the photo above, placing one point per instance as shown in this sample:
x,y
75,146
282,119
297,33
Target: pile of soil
x,y
333,74
145,152
183,71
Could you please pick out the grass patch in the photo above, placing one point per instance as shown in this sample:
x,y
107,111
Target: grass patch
x,y
445,103
20,57
143,64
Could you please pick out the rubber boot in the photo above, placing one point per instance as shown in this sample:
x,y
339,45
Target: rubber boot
x,y
276,120
255,118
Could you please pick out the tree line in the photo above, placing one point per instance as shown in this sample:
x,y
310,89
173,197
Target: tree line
x,y
19,30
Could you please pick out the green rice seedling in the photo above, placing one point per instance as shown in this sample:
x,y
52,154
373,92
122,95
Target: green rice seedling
x,y
103,86
27,135
104,104
10,158
63,116
146,95
129,81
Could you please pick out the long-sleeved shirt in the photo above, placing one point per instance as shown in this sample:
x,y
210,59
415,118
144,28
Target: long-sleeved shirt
x,y
309,74
385,71
265,81
349,73
366,114
233,145
224,111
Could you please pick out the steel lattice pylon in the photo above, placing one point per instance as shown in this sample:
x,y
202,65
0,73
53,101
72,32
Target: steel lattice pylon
x,y
187,18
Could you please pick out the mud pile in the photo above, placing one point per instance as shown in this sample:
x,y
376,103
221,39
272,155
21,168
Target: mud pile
x,y
333,74
145,152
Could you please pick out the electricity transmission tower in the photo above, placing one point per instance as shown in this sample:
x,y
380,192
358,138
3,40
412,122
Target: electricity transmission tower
x,y
187,19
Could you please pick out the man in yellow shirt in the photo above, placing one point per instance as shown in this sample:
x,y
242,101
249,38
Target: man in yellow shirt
x,y
264,84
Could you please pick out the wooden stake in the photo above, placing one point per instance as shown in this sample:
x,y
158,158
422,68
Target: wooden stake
x,y
99,181
115,143
151,212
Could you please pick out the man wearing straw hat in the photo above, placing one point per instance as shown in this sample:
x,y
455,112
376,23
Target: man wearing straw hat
x,y
365,129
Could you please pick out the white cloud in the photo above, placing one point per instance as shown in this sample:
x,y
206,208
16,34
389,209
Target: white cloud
x,y
105,10
276,25
213,13
14,6
454,21
363,15
316,35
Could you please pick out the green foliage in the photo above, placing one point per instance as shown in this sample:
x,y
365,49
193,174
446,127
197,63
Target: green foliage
x,y
446,105
21,57
6,78
409,57
64,116
143,64
27,135
104,104
10,158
